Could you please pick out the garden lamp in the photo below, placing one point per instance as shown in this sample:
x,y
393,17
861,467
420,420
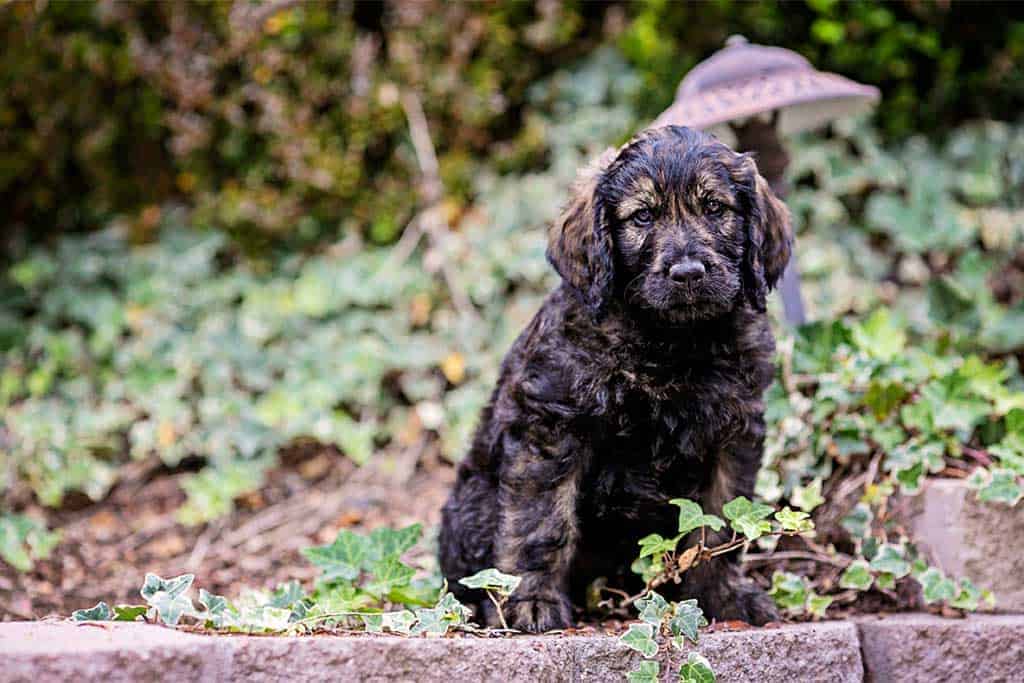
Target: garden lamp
x,y
752,96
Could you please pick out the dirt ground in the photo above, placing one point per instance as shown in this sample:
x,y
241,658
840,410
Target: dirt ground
x,y
107,548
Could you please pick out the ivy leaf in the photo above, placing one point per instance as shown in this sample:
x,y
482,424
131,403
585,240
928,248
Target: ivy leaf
x,y
748,518
856,576
696,669
891,559
969,597
396,622
168,596
792,520
385,542
387,574
1003,487
686,622
341,559
808,497
640,637
100,612
691,516
656,545
492,580
129,612
858,522
936,587
175,587
789,591
647,672
652,608
885,581
880,335
213,604
817,605
286,595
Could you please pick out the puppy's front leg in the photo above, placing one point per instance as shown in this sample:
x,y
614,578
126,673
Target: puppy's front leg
x,y
538,529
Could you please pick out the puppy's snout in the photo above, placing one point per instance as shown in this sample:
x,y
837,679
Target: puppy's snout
x,y
687,272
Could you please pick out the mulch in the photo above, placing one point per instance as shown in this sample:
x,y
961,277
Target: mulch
x,y
107,547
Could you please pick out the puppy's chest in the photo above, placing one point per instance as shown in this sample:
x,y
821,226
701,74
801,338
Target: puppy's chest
x,y
656,443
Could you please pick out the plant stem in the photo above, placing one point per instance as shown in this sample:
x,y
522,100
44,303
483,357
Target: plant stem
x,y
497,606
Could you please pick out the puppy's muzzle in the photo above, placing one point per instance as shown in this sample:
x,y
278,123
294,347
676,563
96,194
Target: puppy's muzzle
x,y
689,271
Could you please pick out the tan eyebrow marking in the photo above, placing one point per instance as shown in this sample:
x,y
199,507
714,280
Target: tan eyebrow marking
x,y
643,195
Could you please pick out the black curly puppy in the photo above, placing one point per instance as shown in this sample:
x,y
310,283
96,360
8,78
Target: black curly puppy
x,y
639,380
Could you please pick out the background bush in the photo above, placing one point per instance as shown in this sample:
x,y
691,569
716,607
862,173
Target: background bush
x,y
286,127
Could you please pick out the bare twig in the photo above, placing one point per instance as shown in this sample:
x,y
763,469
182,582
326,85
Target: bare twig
x,y
429,220
761,558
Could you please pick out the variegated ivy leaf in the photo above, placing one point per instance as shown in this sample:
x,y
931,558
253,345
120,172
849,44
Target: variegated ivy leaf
x,y
936,587
287,594
213,604
395,622
696,669
789,591
858,522
100,612
640,637
492,580
969,597
792,520
154,584
263,618
885,581
747,518
437,620
169,597
646,672
652,608
1003,487
691,516
857,576
808,497
686,622
817,605
891,559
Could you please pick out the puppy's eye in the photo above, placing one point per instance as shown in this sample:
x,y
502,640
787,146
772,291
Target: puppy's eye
x,y
713,207
643,217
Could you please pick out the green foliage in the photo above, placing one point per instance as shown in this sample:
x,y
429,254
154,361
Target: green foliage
x,y
794,594
367,569
935,63
184,349
23,540
678,622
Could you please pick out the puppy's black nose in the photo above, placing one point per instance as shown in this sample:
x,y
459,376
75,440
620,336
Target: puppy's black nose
x,y
687,271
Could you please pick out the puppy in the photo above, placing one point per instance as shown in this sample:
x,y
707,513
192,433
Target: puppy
x,y
639,380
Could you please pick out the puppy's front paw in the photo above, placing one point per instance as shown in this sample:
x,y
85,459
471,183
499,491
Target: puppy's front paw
x,y
538,614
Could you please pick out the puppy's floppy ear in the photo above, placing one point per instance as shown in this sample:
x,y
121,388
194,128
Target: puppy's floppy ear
x,y
580,242
769,239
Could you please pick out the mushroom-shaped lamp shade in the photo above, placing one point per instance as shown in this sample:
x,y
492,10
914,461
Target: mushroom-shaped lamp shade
x,y
743,80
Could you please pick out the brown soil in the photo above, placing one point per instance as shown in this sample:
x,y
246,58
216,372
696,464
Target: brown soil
x,y
107,548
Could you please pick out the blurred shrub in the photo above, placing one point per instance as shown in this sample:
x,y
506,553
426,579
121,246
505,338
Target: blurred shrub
x,y
278,121
178,348
937,63
282,122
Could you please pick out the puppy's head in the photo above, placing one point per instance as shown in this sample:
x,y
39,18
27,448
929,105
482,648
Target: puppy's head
x,y
674,223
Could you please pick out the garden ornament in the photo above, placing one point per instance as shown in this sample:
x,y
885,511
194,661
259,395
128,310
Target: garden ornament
x,y
751,96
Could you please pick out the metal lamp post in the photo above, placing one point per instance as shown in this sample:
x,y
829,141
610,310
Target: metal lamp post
x,y
753,96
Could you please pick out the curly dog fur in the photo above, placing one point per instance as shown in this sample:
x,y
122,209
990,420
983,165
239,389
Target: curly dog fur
x,y
639,380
